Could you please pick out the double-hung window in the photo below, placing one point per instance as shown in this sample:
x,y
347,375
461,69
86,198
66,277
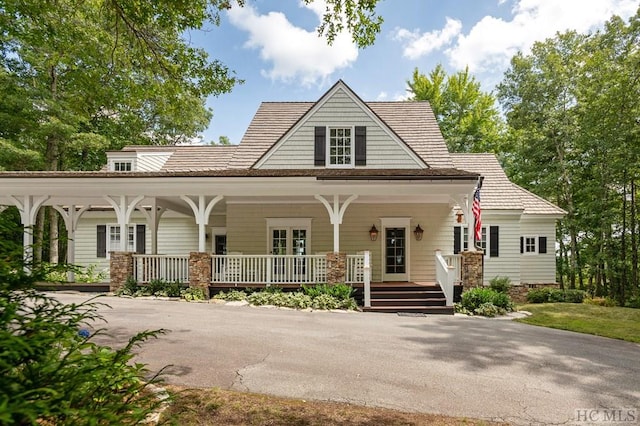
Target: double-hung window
x,y
489,243
340,147
122,166
115,239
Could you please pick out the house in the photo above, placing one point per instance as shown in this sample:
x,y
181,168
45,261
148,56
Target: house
x,y
333,190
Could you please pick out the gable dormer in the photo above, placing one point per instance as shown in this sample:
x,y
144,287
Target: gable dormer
x,y
137,159
340,131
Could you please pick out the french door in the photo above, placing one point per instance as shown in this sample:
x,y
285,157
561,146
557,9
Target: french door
x,y
396,253
289,241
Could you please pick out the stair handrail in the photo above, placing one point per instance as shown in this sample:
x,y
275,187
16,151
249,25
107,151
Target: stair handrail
x,y
445,277
367,279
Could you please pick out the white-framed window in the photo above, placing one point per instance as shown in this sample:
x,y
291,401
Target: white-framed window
x,y
114,238
340,144
465,239
530,244
490,242
122,166
289,236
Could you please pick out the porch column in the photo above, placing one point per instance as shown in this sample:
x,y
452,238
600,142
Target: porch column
x,y
153,219
200,271
336,268
336,213
472,269
201,211
28,207
71,215
120,269
465,202
123,209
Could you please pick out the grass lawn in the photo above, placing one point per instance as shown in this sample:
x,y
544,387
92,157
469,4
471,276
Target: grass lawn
x,y
617,323
223,407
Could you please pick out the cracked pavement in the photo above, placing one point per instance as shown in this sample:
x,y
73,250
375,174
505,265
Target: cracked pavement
x,y
474,367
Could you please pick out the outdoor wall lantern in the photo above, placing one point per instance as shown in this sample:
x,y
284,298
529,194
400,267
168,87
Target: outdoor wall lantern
x,y
459,216
373,233
418,232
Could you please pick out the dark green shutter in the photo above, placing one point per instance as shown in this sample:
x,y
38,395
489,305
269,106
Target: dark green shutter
x,y
101,241
361,146
493,241
140,239
320,145
542,245
521,245
457,240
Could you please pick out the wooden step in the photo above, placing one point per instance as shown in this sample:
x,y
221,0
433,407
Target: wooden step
x,y
406,294
409,302
434,310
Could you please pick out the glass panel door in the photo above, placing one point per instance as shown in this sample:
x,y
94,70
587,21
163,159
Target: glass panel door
x,y
299,249
396,254
279,247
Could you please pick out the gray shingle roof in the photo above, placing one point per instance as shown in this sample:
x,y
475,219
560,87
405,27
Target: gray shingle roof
x,y
498,192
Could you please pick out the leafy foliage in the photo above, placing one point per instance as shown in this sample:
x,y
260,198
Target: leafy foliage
x,y
500,284
191,294
320,296
50,374
555,295
158,287
485,301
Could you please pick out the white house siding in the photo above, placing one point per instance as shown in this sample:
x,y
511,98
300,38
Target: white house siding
x,y
151,162
340,110
508,261
538,268
247,232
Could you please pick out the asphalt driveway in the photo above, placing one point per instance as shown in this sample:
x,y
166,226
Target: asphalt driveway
x,y
475,367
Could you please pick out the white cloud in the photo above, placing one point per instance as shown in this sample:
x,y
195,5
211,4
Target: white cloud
x,y
294,53
492,42
418,44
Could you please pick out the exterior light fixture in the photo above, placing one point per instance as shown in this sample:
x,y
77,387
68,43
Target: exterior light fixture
x,y
418,232
373,233
459,216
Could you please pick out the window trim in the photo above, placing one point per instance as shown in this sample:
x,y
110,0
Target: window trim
x,y
289,224
352,148
536,247
464,239
116,226
116,164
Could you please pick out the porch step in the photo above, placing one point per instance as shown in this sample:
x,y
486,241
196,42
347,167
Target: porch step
x,y
407,298
434,310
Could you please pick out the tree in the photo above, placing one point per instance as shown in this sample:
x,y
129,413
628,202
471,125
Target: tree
x,y
82,77
467,116
223,140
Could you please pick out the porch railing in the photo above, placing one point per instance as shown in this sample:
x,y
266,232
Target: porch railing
x,y
445,277
149,267
455,260
281,269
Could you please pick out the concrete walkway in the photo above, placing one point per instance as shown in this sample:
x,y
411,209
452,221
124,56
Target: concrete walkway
x,y
475,367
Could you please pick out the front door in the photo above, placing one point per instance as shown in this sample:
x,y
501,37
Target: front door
x,y
396,254
289,241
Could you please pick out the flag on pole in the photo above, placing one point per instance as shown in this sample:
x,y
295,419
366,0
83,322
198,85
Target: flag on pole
x,y
477,213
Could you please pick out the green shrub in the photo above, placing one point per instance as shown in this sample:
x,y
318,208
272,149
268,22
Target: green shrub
x,y
601,301
633,302
339,291
232,295
555,295
50,373
477,299
325,301
538,295
574,296
489,310
129,288
192,294
500,284
260,298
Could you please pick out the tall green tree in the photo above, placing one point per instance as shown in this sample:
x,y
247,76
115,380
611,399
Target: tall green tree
x,y
468,117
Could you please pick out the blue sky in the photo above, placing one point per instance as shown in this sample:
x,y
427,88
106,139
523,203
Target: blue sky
x,y
273,46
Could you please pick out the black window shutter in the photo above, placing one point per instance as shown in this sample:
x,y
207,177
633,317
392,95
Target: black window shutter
x,y
320,145
542,245
521,245
140,239
493,242
361,146
101,241
457,240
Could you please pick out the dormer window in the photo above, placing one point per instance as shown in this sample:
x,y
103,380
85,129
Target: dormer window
x,y
340,147
122,166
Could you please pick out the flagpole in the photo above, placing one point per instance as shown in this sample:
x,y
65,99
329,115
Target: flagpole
x,y
475,232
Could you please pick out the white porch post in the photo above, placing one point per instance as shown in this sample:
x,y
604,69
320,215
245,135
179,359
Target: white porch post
x,y
71,216
28,207
336,213
123,211
153,220
201,211
367,279
465,204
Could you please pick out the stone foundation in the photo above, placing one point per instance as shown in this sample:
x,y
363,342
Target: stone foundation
x,y
336,268
472,269
200,271
120,268
518,292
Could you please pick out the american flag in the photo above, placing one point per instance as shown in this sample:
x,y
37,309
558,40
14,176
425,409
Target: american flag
x,y
477,213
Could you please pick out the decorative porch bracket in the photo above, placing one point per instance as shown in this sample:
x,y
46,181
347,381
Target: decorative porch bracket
x,y
336,213
71,215
153,219
28,207
201,211
123,211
